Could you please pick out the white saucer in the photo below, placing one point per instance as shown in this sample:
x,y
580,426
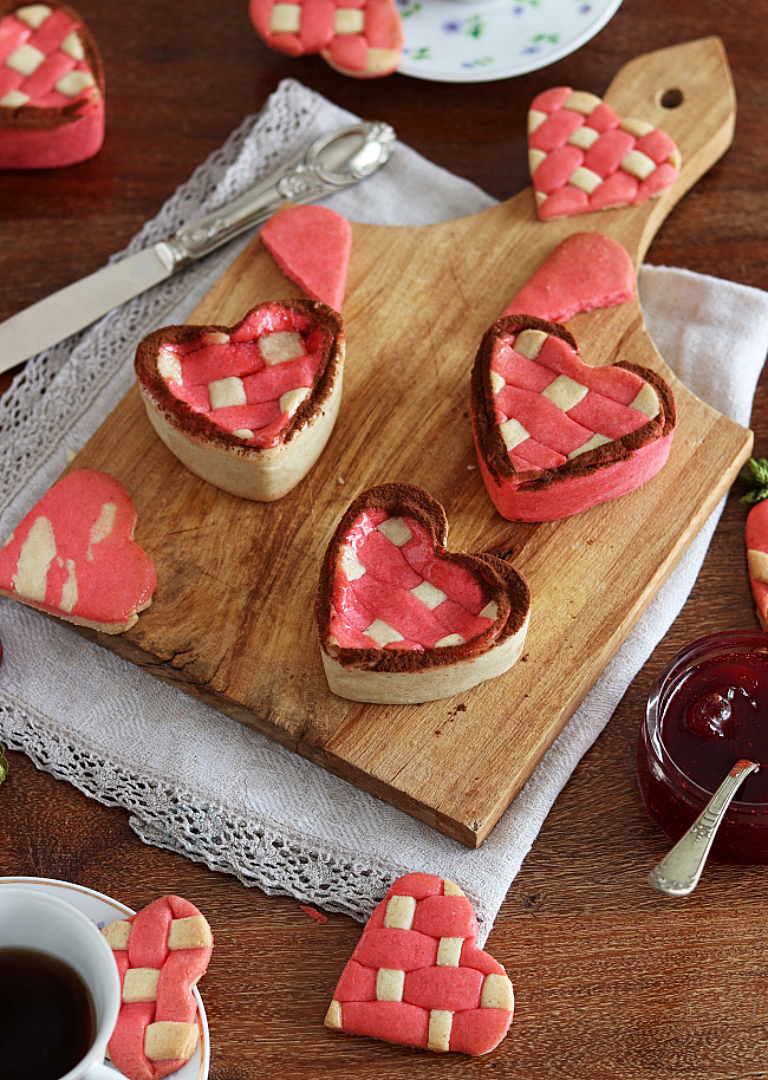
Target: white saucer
x,y
102,910
455,41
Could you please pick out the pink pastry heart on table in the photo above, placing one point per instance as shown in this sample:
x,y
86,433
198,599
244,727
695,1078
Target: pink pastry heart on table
x,y
418,978
73,555
554,435
584,157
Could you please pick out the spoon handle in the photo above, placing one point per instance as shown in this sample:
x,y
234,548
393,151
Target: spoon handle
x,y
679,872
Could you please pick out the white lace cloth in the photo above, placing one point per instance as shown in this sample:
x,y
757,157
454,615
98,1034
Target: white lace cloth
x,y
192,779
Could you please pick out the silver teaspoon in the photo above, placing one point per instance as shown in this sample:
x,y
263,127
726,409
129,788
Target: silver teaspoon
x,y
678,874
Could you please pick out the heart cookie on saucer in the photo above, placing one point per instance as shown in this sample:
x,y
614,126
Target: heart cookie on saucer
x,y
248,408
161,953
554,435
400,619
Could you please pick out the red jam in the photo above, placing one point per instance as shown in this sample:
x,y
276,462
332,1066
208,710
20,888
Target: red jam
x,y
707,709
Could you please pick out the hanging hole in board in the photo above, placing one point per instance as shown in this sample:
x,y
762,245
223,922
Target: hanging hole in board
x,y
671,99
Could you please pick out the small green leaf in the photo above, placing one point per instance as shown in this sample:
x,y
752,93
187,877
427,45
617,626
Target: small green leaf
x,y
756,475
3,764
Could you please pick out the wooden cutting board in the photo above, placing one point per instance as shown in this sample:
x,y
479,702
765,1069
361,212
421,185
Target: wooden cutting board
x,y
232,622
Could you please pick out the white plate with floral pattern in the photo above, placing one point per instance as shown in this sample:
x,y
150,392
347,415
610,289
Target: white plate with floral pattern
x,y
460,41
102,910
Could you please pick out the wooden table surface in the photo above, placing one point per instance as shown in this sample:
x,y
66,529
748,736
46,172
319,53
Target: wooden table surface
x,y
611,979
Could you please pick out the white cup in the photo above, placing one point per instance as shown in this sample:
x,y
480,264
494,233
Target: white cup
x,y
34,920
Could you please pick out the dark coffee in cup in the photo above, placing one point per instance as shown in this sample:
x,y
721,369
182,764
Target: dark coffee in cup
x,y
47,1017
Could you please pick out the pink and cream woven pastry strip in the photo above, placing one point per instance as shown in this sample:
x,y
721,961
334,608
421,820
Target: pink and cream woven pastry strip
x,y
160,953
417,977
583,157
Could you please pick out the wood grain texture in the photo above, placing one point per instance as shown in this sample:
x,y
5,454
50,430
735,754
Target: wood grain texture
x,y
612,981
232,620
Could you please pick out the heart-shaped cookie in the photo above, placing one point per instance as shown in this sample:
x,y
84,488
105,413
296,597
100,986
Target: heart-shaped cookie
x,y
756,538
73,555
51,87
362,38
586,271
583,157
161,953
250,407
311,245
400,620
417,976
554,435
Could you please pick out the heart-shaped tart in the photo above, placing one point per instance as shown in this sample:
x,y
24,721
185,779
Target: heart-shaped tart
x,y
161,953
586,271
554,435
418,978
51,87
73,555
249,408
583,157
401,620
311,245
361,38
756,538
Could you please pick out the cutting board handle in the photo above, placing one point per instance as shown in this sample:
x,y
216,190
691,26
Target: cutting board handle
x,y
688,91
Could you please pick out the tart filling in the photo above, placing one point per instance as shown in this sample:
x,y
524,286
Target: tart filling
x,y
555,435
402,620
51,87
263,394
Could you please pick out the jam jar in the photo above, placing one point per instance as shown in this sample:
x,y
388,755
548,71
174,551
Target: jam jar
x,y
707,709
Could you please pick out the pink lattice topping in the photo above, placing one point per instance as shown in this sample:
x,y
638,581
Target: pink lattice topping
x,y
42,59
583,157
417,976
554,435
550,406
160,953
251,382
391,591
357,37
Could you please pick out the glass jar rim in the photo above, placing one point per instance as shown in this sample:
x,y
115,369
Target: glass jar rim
x,y
684,660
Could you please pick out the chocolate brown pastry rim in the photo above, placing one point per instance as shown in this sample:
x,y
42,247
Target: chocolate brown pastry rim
x,y
197,425
491,444
505,585
35,118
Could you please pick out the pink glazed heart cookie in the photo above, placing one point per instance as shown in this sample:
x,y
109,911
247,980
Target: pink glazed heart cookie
x,y
311,245
73,555
362,38
400,620
583,157
554,435
418,978
586,271
249,408
51,87
756,538
161,953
